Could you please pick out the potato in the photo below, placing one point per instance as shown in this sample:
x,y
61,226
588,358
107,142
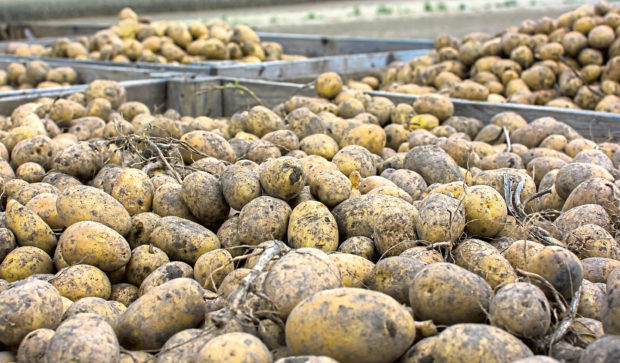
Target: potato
x,y
69,343
124,293
263,219
538,78
520,252
183,240
95,244
312,225
28,306
23,262
331,187
409,181
32,347
485,261
83,203
469,90
591,240
355,335
60,180
141,227
39,149
110,90
95,305
394,275
168,201
371,137
359,246
394,231
591,300
7,242
560,267
164,273
144,260
478,342
234,347
202,193
328,85
603,349
78,281
495,179
23,195
134,190
357,216
304,123
444,219
283,177
209,144
433,164
29,229
584,214
99,107
354,269
136,328
30,172
521,309
485,211
183,346
598,269
355,158
298,275
461,297
212,267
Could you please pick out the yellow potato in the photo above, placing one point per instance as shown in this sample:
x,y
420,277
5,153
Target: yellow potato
x,y
29,228
312,225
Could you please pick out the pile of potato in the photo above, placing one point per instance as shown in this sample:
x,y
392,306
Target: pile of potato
x,y
136,39
35,74
569,62
341,227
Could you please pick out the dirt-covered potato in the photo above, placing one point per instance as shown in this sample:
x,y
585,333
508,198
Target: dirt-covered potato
x,y
605,349
433,164
312,225
394,231
141,227
358,215
521,309
394,276
331,187
183,240
263,219
32,347
560,267
207,143
354,269
598,269
95,305
484,260
28,228
183,346
137,327
234,347
78,281
582,215
110,90
283,177
25,261
164,273
212,267
378,330
94,244
460,297
82,338
355,158
83,203
478,342
168,201
202,193
124,293
359,246
144,260
443,221
29,305
298,275
328,85
440,107
134,190
485,211
591,240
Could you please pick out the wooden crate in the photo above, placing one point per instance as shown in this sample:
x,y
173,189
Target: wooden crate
x,y
221,97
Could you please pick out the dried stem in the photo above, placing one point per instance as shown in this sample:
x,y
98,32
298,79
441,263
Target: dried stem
x,y
507,136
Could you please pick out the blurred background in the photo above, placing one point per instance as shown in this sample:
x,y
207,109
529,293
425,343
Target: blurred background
x,y
382,19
